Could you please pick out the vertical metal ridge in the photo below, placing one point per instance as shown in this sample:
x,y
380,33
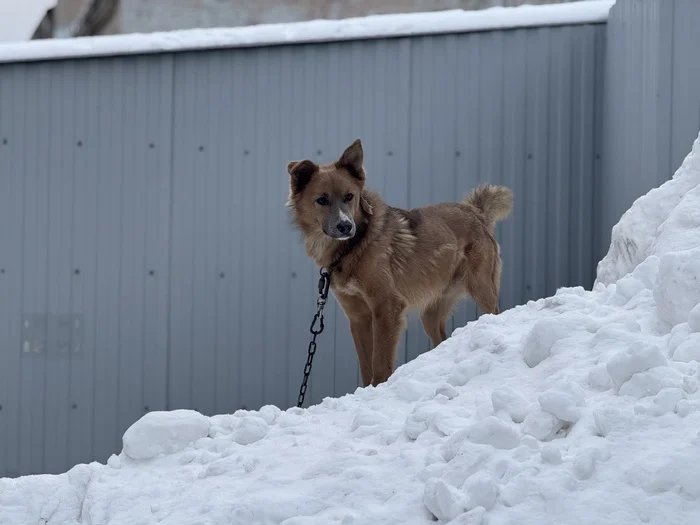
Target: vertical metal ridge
x,y
171,197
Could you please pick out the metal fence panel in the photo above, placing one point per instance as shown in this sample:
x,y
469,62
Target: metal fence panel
x,y
652,99
85,264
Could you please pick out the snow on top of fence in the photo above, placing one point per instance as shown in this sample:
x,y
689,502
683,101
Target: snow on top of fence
x,y
368,27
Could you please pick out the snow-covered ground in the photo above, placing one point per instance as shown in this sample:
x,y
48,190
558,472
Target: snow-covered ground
x,y
582,408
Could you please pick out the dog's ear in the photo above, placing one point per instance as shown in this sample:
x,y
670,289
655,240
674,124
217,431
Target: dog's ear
x,y
365,205
352,160
300,173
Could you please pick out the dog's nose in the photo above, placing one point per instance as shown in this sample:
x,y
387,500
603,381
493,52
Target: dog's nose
x,y
344,227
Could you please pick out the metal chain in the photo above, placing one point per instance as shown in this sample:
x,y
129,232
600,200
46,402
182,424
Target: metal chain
x,y
323,286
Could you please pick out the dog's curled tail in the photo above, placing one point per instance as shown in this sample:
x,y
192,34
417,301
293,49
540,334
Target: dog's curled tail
x,y
494,202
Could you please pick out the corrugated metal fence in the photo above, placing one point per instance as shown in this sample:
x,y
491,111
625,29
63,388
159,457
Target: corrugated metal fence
x,y
652,99
148,261
148,258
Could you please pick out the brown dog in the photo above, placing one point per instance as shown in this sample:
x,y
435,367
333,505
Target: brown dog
x,y
385,260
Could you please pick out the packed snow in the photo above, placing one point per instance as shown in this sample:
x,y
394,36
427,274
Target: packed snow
x,y
374,26
581,408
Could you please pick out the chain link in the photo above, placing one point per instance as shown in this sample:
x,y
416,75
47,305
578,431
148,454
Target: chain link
x,y
323,285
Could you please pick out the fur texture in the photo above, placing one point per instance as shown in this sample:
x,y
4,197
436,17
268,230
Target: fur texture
x,y
390,260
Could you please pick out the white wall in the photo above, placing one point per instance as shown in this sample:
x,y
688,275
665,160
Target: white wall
x,y
20,18
163,15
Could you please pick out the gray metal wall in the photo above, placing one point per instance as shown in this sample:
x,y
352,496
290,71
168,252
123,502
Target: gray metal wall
x,y
652,99
147,257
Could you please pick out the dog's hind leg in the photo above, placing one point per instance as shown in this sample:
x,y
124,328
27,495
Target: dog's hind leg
x,y
483,276
485,297
435,315
483,288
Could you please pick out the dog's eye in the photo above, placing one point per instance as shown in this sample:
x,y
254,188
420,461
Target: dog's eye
x,y
348,197
322,200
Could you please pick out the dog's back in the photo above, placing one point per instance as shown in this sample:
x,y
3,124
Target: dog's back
x,y
447,248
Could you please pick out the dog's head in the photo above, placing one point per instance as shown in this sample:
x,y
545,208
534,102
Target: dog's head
x,y
329,197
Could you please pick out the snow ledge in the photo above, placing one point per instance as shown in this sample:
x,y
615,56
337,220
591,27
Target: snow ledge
x,y
369,27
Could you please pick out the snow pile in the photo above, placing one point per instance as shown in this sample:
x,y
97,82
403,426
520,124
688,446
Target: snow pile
x,y
582,408
662,222
374,26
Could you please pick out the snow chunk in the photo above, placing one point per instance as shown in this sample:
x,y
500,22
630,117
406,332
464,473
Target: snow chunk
x,y
482,491
598,377
473,517
638,357
551,454
463,462
114,461
442,500
564,402
539,341
678,289
694,318
542,425
468,370
688,350
161,433
446,390
495,432
585,462
650,382
249,430
514,404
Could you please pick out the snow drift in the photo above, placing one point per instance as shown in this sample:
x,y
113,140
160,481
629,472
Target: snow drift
x,y
581,408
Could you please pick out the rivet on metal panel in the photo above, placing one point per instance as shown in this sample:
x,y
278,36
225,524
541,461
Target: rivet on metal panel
x,y
528,288
529,156
4,142
458,153
146,408
319,152
80,143
76,271
75,405
294,275
2,270
201,148
0,407
245,152
151,145
390,153
597,156
222,275
151,272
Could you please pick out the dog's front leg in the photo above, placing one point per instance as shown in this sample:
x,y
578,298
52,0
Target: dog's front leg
x,y
360,317
388,320
361,330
